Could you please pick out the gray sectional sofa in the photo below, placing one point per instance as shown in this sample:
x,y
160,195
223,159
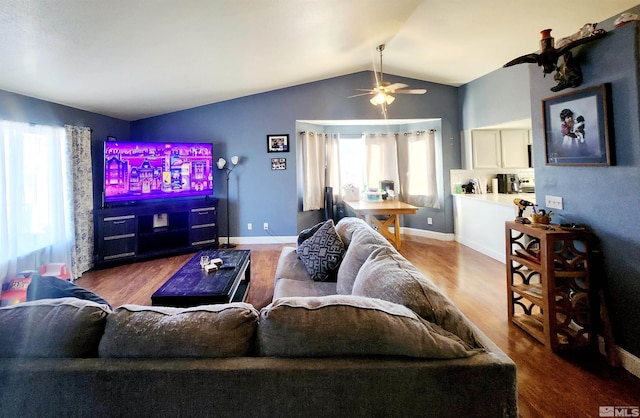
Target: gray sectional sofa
x,y
380,340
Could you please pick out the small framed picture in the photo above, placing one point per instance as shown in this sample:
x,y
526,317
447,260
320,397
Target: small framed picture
x,y
278,163
278,143
578,128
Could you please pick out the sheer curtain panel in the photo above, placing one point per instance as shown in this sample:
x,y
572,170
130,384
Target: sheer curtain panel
x,y
418,184
36,223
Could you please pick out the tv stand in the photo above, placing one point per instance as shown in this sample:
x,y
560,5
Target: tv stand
x,y
127,234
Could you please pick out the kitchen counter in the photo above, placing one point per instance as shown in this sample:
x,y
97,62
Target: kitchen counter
x,y
479,220
500,198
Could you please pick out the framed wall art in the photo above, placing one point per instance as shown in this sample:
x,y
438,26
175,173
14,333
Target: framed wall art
x,y
578,127
278,163
278,143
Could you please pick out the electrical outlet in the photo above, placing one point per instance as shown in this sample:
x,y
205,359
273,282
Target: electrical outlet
x,y
266,226
553,202
249,226
430,221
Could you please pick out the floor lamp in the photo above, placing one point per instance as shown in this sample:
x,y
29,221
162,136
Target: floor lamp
x,y
221,163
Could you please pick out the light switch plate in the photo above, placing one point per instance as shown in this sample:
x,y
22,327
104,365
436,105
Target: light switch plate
x,y
553,202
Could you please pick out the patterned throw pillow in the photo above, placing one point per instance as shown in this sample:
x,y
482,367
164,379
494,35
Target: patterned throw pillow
x,y
322,253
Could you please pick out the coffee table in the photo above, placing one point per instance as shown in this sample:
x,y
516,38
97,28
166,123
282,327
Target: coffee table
x,y
192,286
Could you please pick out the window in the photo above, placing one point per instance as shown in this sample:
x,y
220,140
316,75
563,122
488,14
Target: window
x,y
34,195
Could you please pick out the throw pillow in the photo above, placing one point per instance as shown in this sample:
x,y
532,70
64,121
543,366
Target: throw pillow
x,y
64,327
322,253
206,331
48,287
340,325
308,233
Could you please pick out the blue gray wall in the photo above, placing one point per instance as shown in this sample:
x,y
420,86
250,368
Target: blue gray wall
x,y
498,97
240,126
605,198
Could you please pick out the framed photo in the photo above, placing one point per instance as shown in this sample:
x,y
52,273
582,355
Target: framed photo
x,y
578,127
278,163
278,143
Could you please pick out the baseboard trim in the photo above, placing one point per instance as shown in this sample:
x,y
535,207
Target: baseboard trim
x,y
271,239
413,233
628,361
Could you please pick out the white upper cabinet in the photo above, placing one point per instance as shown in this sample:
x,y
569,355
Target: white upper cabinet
x,y
514,144
492,148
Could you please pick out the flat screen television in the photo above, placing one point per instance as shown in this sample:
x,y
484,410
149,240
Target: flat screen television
x,y
135,171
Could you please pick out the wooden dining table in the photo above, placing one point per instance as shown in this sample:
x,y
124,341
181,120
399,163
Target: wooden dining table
x,y
388,210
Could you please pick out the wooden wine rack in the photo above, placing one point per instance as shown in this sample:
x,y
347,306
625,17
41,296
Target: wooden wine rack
x,y
549,284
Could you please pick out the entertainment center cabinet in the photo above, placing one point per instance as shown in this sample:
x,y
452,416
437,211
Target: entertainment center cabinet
x,y
126,234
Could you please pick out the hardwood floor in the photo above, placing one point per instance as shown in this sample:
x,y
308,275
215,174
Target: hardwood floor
x,y
549,385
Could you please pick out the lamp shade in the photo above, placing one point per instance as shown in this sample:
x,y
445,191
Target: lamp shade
x,y
234,160
221,163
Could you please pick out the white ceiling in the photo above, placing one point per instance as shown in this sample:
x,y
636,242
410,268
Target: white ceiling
x,y
135,59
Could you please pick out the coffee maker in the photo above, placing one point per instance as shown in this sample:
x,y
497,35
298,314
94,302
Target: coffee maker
x,y
508,183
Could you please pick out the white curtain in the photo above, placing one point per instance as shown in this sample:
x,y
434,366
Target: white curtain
x,y
80,180
320,168
36,224
381,159
417,153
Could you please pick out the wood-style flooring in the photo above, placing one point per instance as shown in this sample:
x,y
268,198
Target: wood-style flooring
x,y
549,385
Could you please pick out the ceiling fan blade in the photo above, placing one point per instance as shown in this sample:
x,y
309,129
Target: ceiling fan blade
x,y
412,91
361,94
395,86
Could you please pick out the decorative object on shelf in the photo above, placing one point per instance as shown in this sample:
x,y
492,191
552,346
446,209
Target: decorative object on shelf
x,y
522,205
222,165
541,217
578,128
382,90
568,72
278,143
112,138
278,163
625,18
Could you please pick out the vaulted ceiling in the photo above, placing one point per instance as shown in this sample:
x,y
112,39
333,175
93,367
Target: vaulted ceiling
x,y
134,59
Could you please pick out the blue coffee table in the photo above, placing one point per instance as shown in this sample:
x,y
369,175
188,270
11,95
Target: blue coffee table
x,y
192,286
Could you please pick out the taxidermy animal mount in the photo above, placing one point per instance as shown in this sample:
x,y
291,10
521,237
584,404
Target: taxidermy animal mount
x,y
568,72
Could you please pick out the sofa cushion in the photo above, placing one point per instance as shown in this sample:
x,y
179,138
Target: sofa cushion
x,y
226,330
322,253
285,288
290,266
389,276
63,327
346,227
364,240
340,325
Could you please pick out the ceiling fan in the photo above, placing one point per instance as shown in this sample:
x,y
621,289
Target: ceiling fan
x,y
382,91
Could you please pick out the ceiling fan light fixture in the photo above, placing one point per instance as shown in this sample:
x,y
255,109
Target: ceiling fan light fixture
x,y
381,98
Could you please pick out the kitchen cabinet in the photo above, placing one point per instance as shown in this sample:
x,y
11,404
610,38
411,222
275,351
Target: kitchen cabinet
x,y
493,148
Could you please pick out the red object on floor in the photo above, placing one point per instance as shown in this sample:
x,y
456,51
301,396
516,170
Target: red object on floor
x,y
58,270
16,291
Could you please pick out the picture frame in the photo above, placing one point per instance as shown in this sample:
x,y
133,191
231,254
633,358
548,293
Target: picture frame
x,y
578,127
278,143
278,163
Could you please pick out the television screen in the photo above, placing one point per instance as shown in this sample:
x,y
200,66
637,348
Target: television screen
x,y
156,170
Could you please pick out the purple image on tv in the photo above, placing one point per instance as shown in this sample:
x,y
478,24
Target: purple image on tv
x,y
156,170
